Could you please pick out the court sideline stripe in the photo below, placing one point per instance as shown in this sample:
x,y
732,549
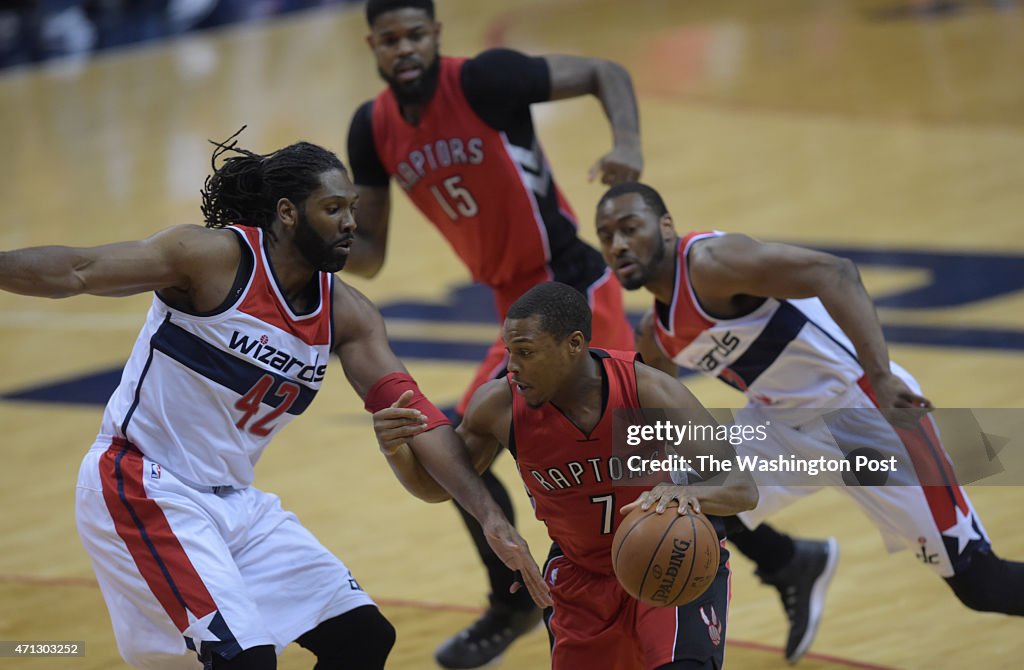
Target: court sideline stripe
x,y
87,582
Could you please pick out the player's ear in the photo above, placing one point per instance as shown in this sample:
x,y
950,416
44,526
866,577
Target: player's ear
x,y
667,227
577,342
287,213
371,41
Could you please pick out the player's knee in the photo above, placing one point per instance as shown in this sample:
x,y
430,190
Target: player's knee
x,y
981,586
263,657
381,635
360,639
974,593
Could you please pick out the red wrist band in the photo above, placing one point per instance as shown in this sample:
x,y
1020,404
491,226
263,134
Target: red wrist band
x,y
389,388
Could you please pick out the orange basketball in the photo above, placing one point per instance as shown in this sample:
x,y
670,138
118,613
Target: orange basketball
x,y
665,560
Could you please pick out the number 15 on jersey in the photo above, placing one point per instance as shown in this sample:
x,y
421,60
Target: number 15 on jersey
x,y
455,199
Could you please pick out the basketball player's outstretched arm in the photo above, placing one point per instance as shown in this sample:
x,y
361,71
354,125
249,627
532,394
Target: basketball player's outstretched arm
x,y
395,425
367,357
573,76
722,268
399,423
191,265
725,494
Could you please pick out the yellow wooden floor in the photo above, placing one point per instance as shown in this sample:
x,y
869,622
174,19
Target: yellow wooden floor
x,y
825,122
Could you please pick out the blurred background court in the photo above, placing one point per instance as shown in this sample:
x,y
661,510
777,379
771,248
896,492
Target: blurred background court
x,y
888,131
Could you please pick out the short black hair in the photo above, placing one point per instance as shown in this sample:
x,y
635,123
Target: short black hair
x,y
650,197
375,8
245,188
562,309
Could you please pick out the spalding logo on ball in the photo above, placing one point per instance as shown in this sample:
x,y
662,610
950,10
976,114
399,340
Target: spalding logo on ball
x,y
665,560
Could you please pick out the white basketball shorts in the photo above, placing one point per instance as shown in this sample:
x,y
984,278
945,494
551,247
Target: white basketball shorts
x,y
186,570
937,522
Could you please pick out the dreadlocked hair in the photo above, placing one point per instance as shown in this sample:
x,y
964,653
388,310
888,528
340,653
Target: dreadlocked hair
x,y
246,187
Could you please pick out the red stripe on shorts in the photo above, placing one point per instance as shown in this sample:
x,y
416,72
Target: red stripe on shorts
x,y
141,523
931,465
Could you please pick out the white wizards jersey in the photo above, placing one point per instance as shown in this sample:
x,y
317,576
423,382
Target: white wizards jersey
x,y
203,395
786,353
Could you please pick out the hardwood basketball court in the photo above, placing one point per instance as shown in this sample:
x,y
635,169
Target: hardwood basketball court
x,y
875,129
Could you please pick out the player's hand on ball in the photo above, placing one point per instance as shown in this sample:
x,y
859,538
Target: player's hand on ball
x,y
621,164
395,425
514,552
663,495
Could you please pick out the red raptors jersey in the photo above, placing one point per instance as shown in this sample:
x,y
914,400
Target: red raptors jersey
x,y
576,482
481,191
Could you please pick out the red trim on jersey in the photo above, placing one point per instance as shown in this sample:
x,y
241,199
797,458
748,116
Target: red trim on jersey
x,y
141,523
687,320
264,301
721,544
931,464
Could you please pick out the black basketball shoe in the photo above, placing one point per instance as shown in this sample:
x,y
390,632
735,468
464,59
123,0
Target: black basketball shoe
x,y
486,638
803,584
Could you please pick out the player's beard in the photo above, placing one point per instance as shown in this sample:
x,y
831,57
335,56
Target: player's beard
x,y
317,251
420,91
640,279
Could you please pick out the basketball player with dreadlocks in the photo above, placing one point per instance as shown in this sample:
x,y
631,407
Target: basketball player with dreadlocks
x,y
195,564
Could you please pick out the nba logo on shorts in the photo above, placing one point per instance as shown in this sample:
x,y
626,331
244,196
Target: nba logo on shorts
x,y
713,624
154,471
